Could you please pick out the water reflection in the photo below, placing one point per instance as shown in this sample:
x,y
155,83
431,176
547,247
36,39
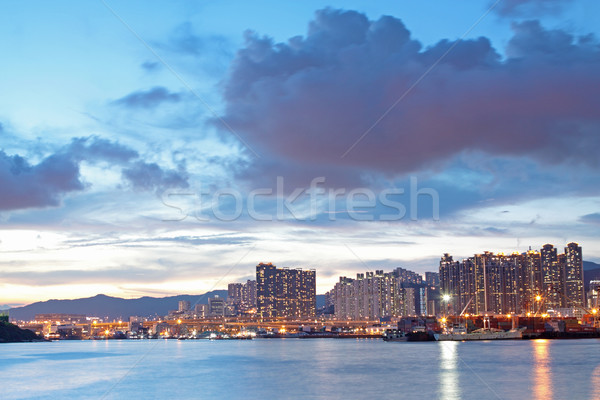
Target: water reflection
x,y
595,383
542,375
449,383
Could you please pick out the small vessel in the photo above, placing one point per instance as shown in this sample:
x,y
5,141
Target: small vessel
x,y
460,333
394,335
481,334
420,335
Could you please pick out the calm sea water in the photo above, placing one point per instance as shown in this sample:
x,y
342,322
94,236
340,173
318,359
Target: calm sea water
x,y
301,369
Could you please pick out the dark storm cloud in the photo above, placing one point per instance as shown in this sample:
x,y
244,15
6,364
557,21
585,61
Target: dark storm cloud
x,y
149,176
307,101
25,185
530,8
32,186
149,98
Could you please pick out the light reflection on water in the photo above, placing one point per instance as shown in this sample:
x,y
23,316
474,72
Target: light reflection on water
x,y
449,382
294,368
542,374
595,384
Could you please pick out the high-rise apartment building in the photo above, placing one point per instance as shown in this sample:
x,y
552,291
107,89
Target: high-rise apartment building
x,y
183,306
450,282
594,295
432,279
374,295
531,282
285,293
242,296
234,293
216,306
249,294
552,277
574,289
411,303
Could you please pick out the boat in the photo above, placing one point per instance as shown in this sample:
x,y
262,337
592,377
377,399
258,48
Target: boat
x,y
420,336
480,334
394,335
460,333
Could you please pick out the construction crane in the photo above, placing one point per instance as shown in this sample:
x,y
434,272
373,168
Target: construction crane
x,y
465,309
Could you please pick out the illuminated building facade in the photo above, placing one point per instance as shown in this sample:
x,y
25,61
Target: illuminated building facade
x,y
234,293
216,306
574,289
594,295
553,277
432,279
285,293
529,282
242,296
374,295
183,306
450,281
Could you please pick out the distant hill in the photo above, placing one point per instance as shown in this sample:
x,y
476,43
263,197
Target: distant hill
x,y
115,307
110,307
591,272
589,265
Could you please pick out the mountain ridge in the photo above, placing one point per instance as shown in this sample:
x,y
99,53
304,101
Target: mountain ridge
x,y
104,306
110,307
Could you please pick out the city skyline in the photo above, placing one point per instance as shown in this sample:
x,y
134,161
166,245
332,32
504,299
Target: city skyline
x,y
570,264
532,282
153,149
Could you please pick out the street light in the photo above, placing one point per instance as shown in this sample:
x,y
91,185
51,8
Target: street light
x,y
446,299
538,298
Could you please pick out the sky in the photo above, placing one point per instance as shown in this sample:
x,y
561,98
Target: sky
x,y
152,148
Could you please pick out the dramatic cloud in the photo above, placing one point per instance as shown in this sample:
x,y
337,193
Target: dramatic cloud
x,y
43,185
149,176
149,98
308,101
32,186
529,7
